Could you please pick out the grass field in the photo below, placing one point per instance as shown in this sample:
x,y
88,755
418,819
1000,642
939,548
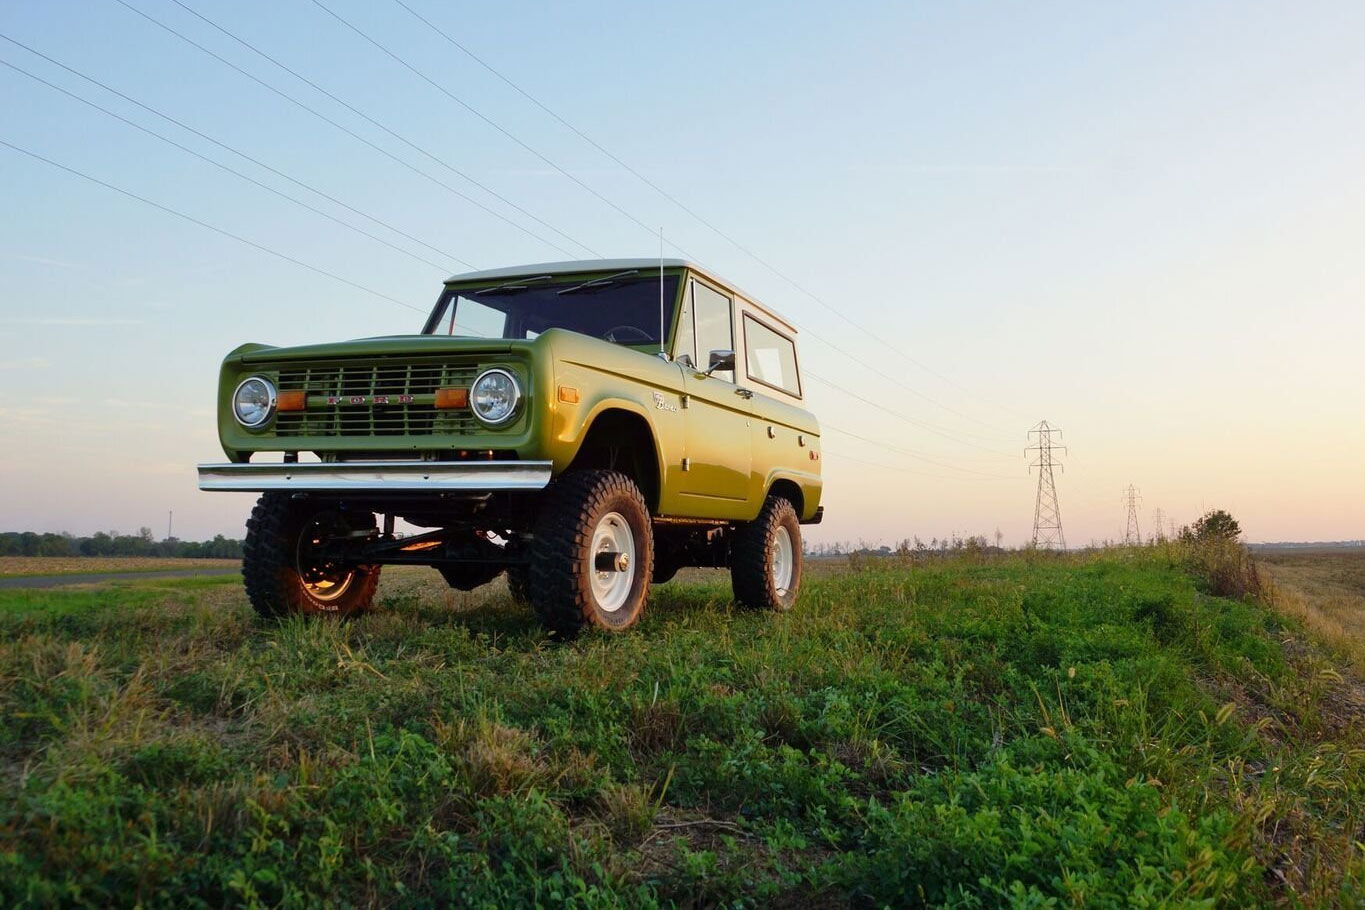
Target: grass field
x,y
33,566
1032,733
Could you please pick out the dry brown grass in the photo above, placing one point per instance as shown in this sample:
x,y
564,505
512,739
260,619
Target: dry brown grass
x,y
81,565
1325,590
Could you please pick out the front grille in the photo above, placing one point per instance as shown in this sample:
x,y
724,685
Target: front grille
x,y
383,399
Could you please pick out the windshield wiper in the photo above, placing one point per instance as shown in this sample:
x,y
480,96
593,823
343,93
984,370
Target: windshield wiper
x,y
598,282
516,285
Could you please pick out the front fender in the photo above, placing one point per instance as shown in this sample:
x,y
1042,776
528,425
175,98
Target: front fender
x,y
592,378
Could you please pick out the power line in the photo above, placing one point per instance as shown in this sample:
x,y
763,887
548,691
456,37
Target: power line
x,y
912,454
237,173
204,224
839,456
298,262
372,236
618,208
494,124
515,139
344,129
384,296
358,286
910,420
237,152
456,192
368,119
189,151
1047,513
677,202
862,361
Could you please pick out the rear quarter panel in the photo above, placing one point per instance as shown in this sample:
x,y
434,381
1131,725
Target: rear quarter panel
x,y
786,446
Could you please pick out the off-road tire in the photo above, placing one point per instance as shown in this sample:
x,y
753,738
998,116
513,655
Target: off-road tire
x,y
270,568
562,561
751,558
468,576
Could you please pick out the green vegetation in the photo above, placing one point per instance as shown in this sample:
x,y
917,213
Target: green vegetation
x,y
31,543
1216,524
1020,731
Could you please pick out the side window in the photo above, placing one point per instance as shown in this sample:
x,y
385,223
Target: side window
x,y
770,357
715,326
685,345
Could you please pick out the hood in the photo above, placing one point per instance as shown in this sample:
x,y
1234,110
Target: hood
x,y
387,345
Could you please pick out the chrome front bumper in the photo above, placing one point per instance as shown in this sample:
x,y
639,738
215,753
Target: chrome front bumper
x,y
377,476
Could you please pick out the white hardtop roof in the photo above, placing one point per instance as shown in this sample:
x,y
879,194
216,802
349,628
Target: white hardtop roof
x,y
577,266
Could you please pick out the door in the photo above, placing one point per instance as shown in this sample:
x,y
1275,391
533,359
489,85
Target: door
x,y
715,483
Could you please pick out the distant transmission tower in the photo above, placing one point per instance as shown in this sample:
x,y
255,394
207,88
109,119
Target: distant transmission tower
x,y
1133,535
1047,514
1158,519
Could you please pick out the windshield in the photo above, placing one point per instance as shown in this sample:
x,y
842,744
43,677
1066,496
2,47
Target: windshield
x,y
621,308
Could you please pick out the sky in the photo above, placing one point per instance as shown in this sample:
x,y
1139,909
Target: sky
x,y
1140,222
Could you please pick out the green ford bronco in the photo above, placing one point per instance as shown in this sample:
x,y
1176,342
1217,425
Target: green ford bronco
x,y
586,427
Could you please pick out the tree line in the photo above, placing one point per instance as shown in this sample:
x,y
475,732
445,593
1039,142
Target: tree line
x,y
112,543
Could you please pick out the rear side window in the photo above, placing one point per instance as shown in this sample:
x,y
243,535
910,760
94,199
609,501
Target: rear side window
x,y
770,357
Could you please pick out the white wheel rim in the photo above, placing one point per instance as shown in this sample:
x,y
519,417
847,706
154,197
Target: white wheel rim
x,y
784,563
611,588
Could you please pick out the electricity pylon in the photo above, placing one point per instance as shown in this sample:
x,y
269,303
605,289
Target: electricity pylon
x,y
1133,535
1047,514
1158,519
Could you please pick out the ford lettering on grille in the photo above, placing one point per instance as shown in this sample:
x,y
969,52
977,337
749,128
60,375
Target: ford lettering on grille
x,y
377,399
388,399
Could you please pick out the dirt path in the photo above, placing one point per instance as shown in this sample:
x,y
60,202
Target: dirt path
x,y
57,581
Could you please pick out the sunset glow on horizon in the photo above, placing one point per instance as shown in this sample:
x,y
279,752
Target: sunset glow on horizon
x,y
1140,224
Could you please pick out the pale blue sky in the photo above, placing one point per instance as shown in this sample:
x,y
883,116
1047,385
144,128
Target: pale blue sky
x,y
1141,222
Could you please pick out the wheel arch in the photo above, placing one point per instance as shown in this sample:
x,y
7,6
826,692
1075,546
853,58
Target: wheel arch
x,y
802,489
618,436
789,490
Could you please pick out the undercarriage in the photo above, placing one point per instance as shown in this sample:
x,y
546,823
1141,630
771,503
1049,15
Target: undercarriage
x,y
488,529
582,551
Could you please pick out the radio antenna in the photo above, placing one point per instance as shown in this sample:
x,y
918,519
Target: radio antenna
x,y
663,351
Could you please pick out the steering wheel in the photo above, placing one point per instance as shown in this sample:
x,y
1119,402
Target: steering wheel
x,y
627,334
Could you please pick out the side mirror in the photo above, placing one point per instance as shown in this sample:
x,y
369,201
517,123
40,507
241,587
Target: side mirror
x,y
721,360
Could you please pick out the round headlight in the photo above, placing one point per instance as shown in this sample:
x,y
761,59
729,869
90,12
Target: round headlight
x,y
494,396
254,402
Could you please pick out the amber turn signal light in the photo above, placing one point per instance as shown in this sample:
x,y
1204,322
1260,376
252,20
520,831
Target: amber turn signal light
x,y
452,398
568,393
296,400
